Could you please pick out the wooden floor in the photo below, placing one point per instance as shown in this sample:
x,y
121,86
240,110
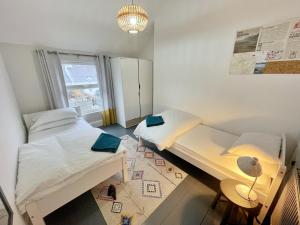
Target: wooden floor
x,y
189,205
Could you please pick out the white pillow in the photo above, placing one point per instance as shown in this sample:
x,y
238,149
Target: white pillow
x,y
47,126
31,118
265,147
51,116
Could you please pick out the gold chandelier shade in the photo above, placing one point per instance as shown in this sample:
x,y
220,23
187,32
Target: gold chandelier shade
x,y
132,18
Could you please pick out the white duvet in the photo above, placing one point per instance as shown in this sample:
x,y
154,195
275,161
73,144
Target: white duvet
x,y
48,164
164,136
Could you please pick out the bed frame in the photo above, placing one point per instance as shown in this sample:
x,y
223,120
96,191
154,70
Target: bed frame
x,y
220,174
37,210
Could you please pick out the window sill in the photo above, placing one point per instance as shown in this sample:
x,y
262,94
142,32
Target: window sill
x,y
95,119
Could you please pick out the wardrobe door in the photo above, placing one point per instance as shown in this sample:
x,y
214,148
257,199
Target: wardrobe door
x,y
146,86
130,84
118,90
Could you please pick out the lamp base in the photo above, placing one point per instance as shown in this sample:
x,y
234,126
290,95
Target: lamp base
x,y
243,191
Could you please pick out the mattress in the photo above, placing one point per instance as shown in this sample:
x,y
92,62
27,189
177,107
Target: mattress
x,y
205,147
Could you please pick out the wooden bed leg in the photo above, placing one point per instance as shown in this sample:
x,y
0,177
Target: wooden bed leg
x,y
124,168
139,144
35,214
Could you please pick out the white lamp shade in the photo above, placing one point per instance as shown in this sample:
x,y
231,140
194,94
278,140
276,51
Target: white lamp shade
x,y
250,166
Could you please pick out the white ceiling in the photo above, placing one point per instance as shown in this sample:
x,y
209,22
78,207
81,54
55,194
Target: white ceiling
x,y
86,25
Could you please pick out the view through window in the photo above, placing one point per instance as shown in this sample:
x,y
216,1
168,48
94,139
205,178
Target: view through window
x,y
82,87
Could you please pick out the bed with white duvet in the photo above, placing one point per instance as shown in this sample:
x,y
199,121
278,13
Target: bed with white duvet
x,y
216,152
57,165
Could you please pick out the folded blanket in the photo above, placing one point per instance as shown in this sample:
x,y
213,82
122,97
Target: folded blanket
x,y
106,143
154,121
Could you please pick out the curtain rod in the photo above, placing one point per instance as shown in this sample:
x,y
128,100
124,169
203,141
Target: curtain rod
x,y
69,53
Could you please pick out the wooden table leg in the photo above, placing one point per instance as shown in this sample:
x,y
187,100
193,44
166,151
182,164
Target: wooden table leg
x,y
235,210
227,213
250,218
214,203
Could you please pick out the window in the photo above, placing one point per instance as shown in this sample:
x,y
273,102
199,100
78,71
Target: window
x,y
82,86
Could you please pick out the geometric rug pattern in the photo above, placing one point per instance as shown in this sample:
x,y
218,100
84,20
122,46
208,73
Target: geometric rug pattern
x,y
151,180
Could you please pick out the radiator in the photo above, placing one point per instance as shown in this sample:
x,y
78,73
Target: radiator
x,y
287,209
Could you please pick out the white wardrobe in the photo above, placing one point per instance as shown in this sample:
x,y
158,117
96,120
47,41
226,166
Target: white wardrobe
x,y
133,89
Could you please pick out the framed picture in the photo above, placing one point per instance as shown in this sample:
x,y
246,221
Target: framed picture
x,y
6,213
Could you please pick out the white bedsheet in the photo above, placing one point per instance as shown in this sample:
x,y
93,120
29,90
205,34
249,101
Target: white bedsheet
x,y
163,136
56,157
209,145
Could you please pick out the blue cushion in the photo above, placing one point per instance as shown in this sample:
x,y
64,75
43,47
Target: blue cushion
x,y
106,143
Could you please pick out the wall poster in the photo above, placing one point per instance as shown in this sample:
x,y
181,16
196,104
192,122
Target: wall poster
x,y
272,49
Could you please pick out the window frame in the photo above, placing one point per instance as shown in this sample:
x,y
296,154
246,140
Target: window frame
x,y
68,87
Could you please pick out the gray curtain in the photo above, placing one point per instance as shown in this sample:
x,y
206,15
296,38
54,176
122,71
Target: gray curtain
x,y
106,83
53,78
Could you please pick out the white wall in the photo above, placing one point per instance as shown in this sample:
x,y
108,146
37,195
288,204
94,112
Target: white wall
x,y
193,48
12,134
24,71
147,50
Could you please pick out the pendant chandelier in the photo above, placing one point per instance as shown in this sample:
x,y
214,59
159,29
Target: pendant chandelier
x,y
132,18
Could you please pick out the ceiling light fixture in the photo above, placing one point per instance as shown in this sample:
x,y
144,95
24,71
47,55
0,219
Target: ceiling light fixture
x,y
132,18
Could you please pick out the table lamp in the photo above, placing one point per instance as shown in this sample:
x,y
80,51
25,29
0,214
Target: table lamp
x,y
251,167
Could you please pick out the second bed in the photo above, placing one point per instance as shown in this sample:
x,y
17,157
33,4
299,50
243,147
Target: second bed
x,y
208,148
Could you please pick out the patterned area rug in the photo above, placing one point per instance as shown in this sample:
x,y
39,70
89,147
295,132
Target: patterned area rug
x,y
151,180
